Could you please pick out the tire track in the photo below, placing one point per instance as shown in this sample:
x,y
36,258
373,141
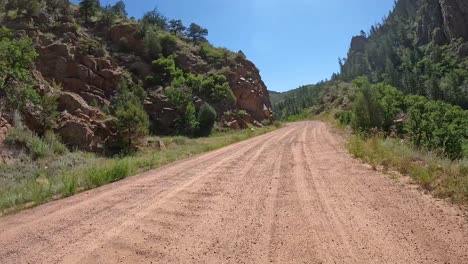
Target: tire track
x,y
291,196
108,235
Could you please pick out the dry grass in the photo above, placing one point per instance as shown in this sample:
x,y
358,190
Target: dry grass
x,y
44,183
443,177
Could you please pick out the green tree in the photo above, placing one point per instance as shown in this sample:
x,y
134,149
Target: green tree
x,y
132,120
367,110
154,18
197,33
132,124
108,17
165,71
119,9
88,8
168,44
180,97
206,119
176,26
16,60
152,43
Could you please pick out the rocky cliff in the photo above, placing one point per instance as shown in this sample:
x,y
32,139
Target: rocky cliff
x,y
89,63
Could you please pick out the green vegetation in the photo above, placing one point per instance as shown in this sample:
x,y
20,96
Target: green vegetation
x,y
197,33
290,105
132,120
35,147
444,177
89,8
176,27
395,52
16,59
434,125
206,119
27,183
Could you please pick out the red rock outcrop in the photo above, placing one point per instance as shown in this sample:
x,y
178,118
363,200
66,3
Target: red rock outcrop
x,y
126,36
88,77
250,91
81,131
160,112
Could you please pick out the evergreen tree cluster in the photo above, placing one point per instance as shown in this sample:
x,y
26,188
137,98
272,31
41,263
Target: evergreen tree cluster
x,y
393,53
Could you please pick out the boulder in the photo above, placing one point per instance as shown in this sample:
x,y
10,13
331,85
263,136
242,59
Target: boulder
x,y
160,113
233,124
83,133
4,127
125,35
72,102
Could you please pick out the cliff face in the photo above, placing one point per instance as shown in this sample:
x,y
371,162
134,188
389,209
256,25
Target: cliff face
x,y
442,21
250,91
88,64
421,48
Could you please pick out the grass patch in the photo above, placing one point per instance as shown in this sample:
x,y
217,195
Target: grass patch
x,y
31,183
444,177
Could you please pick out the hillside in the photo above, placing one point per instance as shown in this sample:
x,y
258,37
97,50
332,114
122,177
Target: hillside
x,y
402,92
421,48
93,74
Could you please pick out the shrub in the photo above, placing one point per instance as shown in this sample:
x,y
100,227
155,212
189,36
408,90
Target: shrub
x,y
211,54
180,97
206,119
344,117
437,125
217,90
367,111
132,120
37,147
16,60
152,42
165,71
168,44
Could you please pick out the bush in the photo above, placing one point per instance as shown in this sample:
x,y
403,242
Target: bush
x,y
152,42
344,117
168,44
165,71
16,60
437,125
367,111
180,97
216,89
213,55
206,119
37,147
132,120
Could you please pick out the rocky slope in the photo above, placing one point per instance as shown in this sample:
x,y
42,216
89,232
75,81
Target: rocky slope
x,y
88,63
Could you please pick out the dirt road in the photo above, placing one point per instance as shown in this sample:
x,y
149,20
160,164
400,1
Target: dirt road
x,y
290,196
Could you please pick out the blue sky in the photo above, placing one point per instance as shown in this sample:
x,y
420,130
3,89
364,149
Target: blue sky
x,y
292,42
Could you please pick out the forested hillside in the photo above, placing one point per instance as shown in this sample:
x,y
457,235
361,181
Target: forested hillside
x,y
402,91
421,48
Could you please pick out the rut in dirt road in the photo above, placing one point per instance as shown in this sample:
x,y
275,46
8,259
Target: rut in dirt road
x,y
290,196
